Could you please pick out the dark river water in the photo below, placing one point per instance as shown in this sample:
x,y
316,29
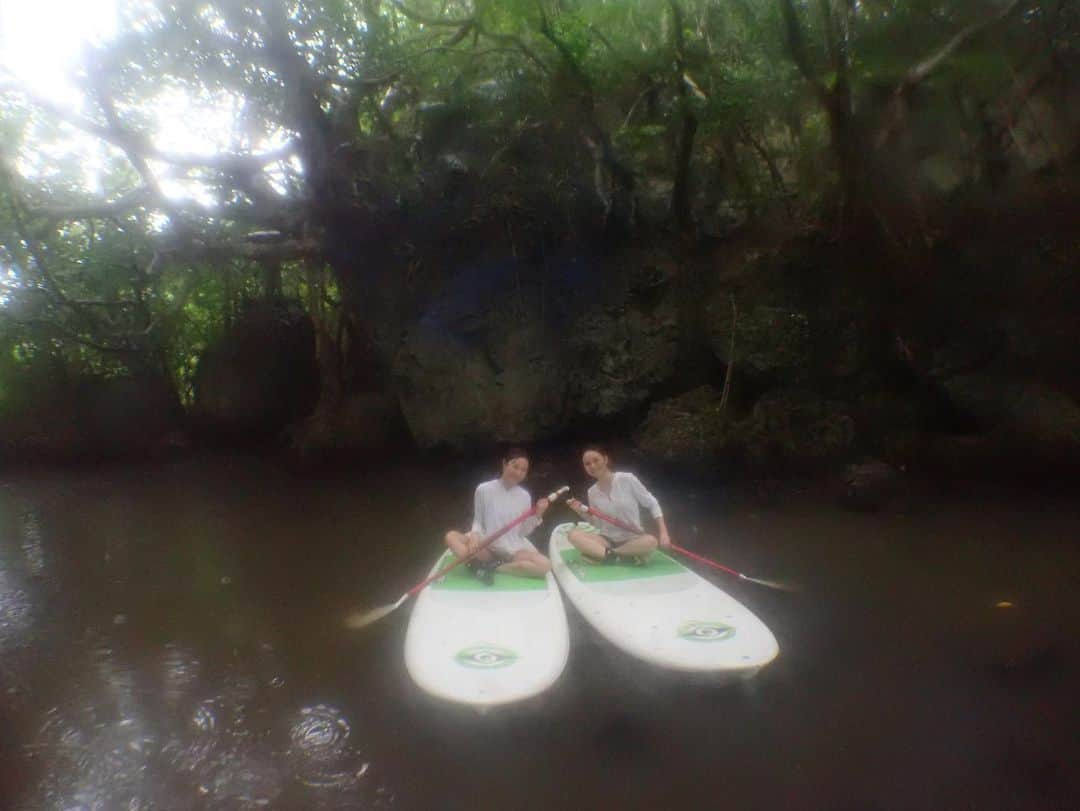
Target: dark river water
x,y
171,637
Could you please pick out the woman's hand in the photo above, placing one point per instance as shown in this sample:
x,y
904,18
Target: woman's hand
x,y
541,506
576,506
665,540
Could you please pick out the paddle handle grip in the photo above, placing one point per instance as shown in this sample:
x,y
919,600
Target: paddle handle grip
x,y
484,544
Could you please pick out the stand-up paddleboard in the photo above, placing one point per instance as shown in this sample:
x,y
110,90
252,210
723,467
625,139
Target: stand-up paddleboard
x,y
662,612
486,645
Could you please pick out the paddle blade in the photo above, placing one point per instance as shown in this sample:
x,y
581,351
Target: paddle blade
x,y
361,620
770,584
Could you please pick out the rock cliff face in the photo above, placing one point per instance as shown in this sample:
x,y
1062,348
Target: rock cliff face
x,y
495,359
91,418
260,378
640,340
813,385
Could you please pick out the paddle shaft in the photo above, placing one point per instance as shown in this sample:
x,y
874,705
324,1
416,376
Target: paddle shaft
x,y
615,522
623,525
484,544
706,561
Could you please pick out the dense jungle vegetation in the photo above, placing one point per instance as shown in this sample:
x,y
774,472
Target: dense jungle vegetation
x,y
785,232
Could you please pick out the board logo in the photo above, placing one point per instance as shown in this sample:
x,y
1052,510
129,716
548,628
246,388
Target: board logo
x,y
703,631
485,657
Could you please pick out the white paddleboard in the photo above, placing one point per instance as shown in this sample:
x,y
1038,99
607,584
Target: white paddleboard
x,y
486,645
663,612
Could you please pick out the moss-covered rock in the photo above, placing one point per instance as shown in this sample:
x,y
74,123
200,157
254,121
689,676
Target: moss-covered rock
x,y
689,428
797,429
871,485
1025,413
798,318
618,356
769,338
93,417
791,430
261,377
457,392
360,422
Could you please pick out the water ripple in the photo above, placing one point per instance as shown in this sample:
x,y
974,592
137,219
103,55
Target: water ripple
x,y
95,764
247,780
193,752
319,751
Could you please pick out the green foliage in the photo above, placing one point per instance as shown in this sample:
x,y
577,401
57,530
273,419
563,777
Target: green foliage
x,y
382,96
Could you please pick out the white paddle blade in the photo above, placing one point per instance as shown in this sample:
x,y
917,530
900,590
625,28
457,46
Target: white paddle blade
x,y
361,620
770,584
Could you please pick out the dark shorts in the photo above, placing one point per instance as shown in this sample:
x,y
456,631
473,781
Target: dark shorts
x,y
608,540
615,544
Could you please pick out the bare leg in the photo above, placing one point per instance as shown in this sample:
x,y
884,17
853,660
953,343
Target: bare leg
x,y
463,543
589,543
640,545
526,563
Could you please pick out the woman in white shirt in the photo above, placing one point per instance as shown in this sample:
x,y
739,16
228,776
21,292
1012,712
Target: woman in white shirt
x,y
496,504
620,495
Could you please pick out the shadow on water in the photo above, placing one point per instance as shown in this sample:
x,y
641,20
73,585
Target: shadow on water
x,y
172,638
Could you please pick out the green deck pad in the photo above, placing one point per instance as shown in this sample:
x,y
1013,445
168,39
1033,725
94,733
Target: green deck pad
x,y
658,565
461,579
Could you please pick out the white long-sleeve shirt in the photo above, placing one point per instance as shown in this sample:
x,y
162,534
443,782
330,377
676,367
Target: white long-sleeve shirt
x,y
628,495
495,506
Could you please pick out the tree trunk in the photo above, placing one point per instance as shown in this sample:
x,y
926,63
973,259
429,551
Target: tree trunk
x,y
680,192
684,149
844,140
327,349
271,269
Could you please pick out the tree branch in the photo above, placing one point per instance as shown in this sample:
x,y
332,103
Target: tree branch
x,y
303,94
135,157
127,140
56,326
41,263
284,250
518,43
416,16
924,69
680,189
88,211
797,45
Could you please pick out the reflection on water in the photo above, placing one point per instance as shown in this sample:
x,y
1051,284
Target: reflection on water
x,y
16,621
149,670
171,638
32,549
15,612
180,671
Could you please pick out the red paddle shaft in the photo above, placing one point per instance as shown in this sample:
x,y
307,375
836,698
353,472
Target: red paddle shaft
x,y
484,544
708,562
623,525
